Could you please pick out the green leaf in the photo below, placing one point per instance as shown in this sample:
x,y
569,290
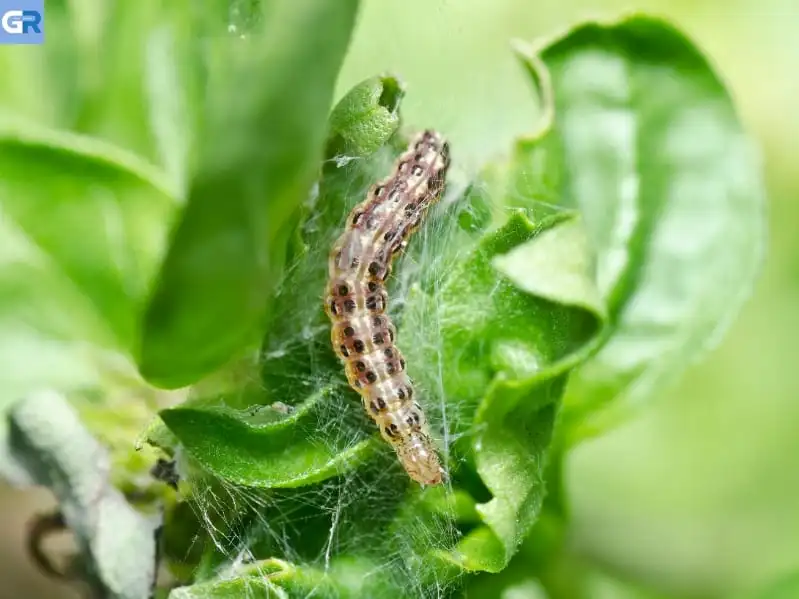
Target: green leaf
x,y
144,65
266,448
365,117
73,282
105,226
503,355
517,414
555,266
111,42
117,545
268,97
655,158
362,142
172,89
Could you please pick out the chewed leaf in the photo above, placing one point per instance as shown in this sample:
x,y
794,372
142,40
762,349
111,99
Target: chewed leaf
x,y
266,105
117,544
267,448
654,157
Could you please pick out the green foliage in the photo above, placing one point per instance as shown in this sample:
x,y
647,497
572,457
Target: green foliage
x,y
566,285
260,146
659,166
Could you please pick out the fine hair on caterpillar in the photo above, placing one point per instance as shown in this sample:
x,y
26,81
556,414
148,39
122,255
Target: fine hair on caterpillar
x,y
377,230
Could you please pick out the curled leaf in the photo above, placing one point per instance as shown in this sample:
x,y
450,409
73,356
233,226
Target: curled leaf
x,y
656,160
266,447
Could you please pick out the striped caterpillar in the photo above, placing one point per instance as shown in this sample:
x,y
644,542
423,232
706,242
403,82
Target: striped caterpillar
x,y
377,230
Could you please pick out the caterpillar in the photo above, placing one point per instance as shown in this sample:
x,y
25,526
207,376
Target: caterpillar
x,y
362,334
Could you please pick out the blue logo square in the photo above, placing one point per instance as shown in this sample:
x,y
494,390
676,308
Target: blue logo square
x,y
21,21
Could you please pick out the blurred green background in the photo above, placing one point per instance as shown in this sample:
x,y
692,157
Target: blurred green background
x,y
699,497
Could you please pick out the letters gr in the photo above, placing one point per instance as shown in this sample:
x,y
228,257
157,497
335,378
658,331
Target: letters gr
x,y
21,21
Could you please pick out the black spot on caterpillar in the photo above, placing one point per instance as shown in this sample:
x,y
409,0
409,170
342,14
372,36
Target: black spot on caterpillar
x,y
362,335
